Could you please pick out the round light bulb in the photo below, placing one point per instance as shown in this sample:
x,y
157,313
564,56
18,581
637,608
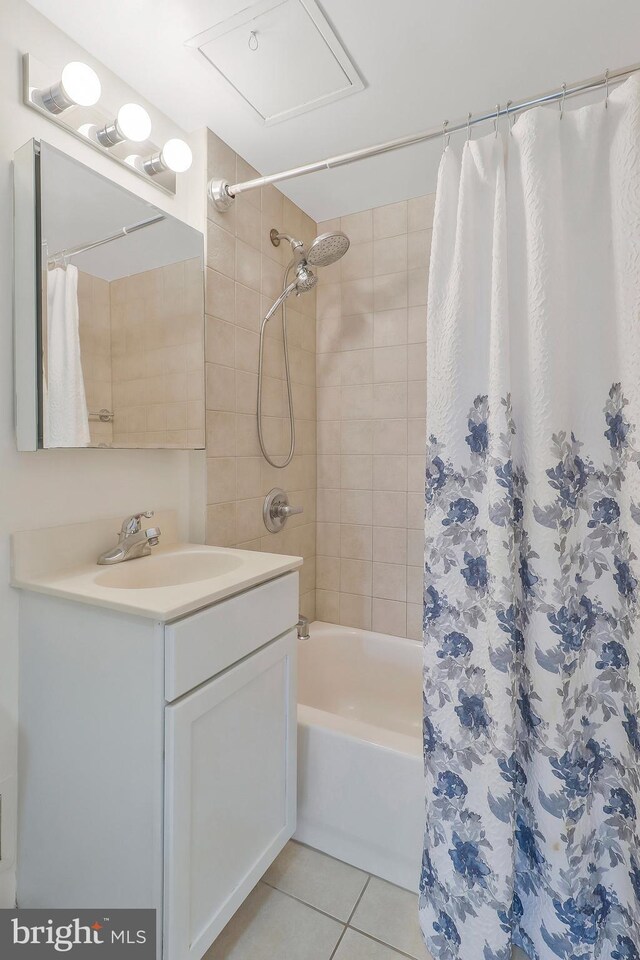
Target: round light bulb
x,y
134,122
177,155
81,84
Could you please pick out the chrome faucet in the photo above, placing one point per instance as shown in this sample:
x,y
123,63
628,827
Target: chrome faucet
x,y
133,541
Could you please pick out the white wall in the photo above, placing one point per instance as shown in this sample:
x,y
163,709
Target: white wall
x,y
55,487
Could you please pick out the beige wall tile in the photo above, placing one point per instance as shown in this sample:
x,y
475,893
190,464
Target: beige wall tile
x,y
328,539
221,251
390,473
390,327
221,479
329,437
327,573
355,332
328,606
220,296
390,220
389,616
389,364
358,226
356,506
420,212
390,255
417,324
356,367
390,544
355,611
357,262
391,291
356,472
390,581
221,387
356,436
414,621
355,541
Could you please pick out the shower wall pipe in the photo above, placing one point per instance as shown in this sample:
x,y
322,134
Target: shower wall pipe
x,y
222,194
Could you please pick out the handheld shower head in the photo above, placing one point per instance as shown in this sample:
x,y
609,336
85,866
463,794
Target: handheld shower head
x,y
327,248
305,279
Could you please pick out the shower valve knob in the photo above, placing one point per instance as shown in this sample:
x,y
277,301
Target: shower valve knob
x,y
277,510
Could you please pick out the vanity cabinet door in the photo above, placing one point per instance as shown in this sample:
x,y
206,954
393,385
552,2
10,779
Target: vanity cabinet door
x,y
230,793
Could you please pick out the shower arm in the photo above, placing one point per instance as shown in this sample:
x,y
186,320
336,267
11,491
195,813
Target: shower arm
x,y
222,194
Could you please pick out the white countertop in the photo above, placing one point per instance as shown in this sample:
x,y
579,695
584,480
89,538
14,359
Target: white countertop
x,y
81,582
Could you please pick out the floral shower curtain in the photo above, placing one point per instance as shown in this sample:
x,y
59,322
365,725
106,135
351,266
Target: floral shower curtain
x,y
532,639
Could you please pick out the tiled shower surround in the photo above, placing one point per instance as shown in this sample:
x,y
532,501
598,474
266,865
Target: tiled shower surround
x,y
371,395
244,277
357,351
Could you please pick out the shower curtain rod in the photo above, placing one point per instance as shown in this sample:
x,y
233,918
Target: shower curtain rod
x,y
73,251
222,194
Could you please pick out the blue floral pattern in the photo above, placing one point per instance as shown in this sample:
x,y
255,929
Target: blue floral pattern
x,y
531,698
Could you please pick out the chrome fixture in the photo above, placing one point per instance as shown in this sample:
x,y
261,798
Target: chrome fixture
x,y
71,98
78,86
175,155
325,250
132,123
303,628
276,510
222,193
103,415
133,541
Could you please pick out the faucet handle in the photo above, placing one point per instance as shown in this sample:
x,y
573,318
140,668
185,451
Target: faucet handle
x,y
132,524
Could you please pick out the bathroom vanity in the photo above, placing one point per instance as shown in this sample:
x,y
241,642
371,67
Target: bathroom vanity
x,y
157,729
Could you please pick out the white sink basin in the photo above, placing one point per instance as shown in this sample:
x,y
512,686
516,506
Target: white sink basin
x,y
168,570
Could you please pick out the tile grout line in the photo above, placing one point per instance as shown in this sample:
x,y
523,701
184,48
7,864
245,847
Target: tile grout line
x,y
400,953
357,903
346,926
304,903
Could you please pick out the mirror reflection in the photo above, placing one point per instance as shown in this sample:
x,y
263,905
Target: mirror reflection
x,y
122,311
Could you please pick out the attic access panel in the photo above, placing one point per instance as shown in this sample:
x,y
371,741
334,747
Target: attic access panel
x,y
281,56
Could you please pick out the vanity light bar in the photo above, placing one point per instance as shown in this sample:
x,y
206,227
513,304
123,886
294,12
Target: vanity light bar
x,y
72,102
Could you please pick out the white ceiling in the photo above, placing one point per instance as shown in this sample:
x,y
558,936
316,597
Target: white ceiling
x,y
421,61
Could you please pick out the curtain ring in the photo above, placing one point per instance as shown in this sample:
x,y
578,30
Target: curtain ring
x,y
509,102
253,40
561,102
445,136
606,88
468,127
495,121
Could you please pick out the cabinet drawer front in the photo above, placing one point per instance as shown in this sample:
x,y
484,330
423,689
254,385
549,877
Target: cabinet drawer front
x,y
202,645
230,793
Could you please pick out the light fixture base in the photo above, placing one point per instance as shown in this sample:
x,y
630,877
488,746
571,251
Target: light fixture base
x,y
221,198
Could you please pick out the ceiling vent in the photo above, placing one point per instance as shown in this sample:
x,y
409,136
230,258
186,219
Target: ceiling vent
x,y
281,56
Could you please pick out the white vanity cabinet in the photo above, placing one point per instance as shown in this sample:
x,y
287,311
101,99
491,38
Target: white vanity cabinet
x,y
157,760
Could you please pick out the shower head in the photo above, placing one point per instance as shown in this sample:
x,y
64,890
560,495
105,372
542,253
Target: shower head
x,y
305,279
327,248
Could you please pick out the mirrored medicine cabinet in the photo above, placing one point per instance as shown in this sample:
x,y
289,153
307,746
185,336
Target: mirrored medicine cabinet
x,y
108,312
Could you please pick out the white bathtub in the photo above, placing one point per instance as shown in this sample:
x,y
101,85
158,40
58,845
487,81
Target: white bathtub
x,y
360,789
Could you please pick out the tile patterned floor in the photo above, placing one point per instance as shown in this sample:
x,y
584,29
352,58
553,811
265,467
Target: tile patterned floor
x,y
309,906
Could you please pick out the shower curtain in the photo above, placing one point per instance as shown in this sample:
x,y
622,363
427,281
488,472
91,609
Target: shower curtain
x,y
532,557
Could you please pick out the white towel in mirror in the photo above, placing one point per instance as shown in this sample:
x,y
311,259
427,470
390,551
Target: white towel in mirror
x,y
66,418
